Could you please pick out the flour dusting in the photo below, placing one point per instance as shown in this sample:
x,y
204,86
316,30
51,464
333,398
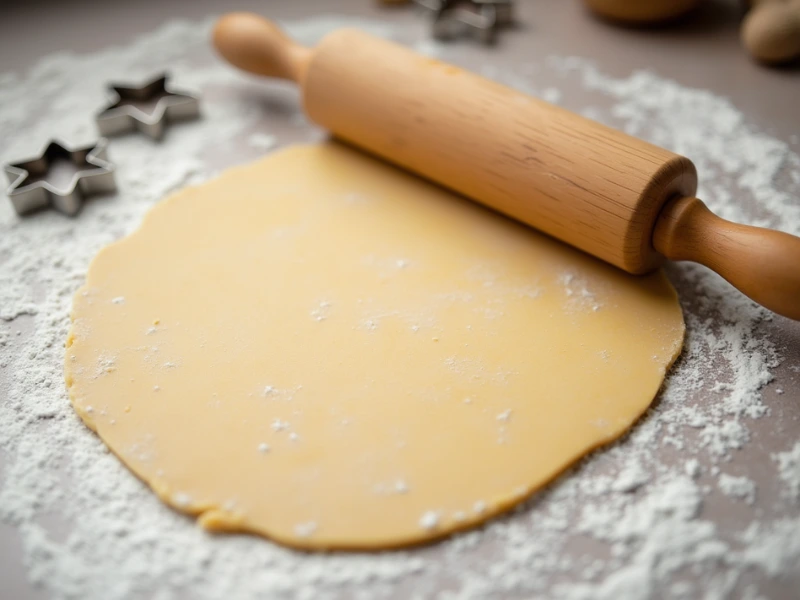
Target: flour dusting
x,y
789,471
634,520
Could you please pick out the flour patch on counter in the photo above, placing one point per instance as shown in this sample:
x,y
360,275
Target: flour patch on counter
x,y
788,464
740,488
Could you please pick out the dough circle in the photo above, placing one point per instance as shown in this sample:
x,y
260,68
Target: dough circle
x,y
324,350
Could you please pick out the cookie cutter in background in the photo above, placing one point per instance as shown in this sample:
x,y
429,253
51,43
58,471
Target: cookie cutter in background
x,y
482,17
30,190
127,109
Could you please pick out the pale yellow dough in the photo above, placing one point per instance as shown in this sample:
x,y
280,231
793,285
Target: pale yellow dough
x,y
321,349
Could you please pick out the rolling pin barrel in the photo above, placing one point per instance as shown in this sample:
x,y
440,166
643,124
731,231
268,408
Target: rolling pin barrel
x,y
591,186
612,195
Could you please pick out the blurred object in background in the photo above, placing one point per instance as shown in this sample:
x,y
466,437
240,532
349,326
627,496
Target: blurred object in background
x,y
641,12
771,30
454,18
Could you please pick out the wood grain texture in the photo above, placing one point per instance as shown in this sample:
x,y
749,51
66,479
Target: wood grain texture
x,y
589,185
762,263
259,46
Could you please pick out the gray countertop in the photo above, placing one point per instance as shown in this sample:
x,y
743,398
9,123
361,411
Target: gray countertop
x,y
702,53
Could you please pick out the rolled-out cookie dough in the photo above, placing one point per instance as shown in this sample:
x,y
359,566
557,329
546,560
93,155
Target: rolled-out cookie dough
x,y
324,350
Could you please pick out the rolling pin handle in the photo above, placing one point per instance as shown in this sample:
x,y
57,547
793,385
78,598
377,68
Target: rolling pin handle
x,y
762,263
257,45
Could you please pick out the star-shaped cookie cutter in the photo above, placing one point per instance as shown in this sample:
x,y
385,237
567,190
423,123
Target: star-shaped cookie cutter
x,y
30,190
127,109
483,17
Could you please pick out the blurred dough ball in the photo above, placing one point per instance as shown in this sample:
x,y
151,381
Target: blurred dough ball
x,y
771,30
641,12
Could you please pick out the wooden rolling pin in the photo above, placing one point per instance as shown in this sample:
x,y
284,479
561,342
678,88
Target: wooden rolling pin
x,y
616,197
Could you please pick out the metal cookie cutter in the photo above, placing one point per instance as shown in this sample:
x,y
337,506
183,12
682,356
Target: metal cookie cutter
x,y
32,182
483,17
147,108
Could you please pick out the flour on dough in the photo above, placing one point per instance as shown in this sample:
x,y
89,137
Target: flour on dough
x,y
324,350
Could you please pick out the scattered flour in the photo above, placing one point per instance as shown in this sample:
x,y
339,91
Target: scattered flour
x,y
740,488
305,530
789,471
429,520
262,141
278,425
634,520
692,468
631,478
504,416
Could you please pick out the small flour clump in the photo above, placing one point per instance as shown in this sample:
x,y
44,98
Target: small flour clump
x,y
741,488
637,519
789,471
262,141
631,478
429,520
